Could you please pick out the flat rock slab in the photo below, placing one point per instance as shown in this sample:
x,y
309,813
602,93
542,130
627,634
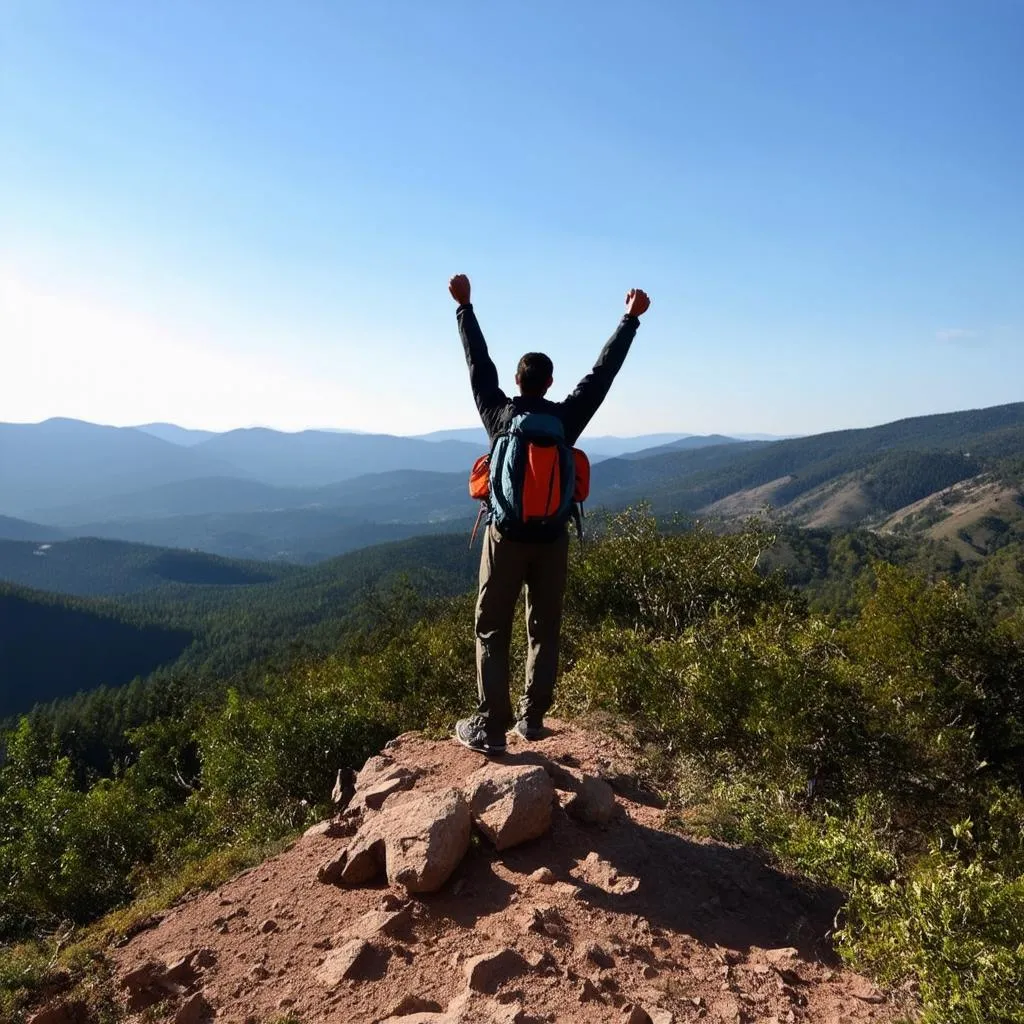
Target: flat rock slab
x,y
511,805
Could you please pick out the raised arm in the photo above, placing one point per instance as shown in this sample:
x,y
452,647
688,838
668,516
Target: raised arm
x,y
580,406
483,375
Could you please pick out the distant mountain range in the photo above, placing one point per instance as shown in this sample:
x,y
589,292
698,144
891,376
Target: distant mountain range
x,y
303,497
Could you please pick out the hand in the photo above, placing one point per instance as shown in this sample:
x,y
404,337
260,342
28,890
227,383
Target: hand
x,y
459,287
637,301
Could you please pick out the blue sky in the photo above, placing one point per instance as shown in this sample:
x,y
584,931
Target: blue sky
x,y
224,214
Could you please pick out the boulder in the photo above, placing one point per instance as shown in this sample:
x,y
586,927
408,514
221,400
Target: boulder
x,y
511,805
593,802
424,839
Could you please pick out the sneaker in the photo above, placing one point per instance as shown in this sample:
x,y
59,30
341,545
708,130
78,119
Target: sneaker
x,y
470,733
530,733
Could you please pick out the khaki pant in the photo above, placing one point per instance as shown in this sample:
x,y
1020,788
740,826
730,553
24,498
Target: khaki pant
x,y
505,566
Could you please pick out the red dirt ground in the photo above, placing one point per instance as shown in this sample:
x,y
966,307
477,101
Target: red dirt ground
x,y
684,930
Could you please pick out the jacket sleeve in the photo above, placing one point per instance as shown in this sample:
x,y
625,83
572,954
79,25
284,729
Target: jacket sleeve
x,y
483,375
580,406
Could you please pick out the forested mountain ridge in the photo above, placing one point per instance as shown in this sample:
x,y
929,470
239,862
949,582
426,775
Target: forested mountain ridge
x,y
52,647
203,631
929,452
22,529
843,478
91,566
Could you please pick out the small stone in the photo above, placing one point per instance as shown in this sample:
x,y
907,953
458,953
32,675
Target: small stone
x,y
593,802
285,1001
489,971
650,972
410,1004
597,955
541,963
632,1014
344,787
268,926
343,963
194,1010
780,955
863,990
588,992
364,858
381,922
547,921
660,1016
543,875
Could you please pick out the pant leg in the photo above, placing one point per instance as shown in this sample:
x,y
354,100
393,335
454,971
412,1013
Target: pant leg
x,y
502,571
545,590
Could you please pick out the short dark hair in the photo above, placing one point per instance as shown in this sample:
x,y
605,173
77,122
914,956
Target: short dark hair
x,y
534,373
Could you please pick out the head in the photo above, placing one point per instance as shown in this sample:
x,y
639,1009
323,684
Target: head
x,y
534,374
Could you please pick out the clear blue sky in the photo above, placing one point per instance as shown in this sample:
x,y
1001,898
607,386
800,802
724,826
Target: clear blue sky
x,y
224,213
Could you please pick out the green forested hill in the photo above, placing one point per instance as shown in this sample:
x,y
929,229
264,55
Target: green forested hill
x,y
92,566
53,647
220,634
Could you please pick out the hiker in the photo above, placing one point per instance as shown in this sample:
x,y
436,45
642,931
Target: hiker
x,y
534,554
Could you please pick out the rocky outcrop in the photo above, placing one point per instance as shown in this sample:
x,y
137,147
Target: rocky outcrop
x,y
544,919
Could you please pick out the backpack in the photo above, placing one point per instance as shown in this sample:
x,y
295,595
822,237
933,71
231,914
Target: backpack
x,y
532,481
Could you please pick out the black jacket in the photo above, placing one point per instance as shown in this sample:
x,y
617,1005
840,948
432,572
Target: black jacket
x,y
575,412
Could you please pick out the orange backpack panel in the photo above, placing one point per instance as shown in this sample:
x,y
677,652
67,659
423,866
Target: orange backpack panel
x,y
542,492
582,489
480,478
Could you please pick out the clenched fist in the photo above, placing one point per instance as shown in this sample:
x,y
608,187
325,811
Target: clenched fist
x,y
459,288
637,301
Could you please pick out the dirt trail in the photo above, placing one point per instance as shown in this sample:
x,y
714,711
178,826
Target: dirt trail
x,y
634,924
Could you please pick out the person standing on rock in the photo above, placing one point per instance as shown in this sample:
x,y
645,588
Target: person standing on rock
x,y
539,560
